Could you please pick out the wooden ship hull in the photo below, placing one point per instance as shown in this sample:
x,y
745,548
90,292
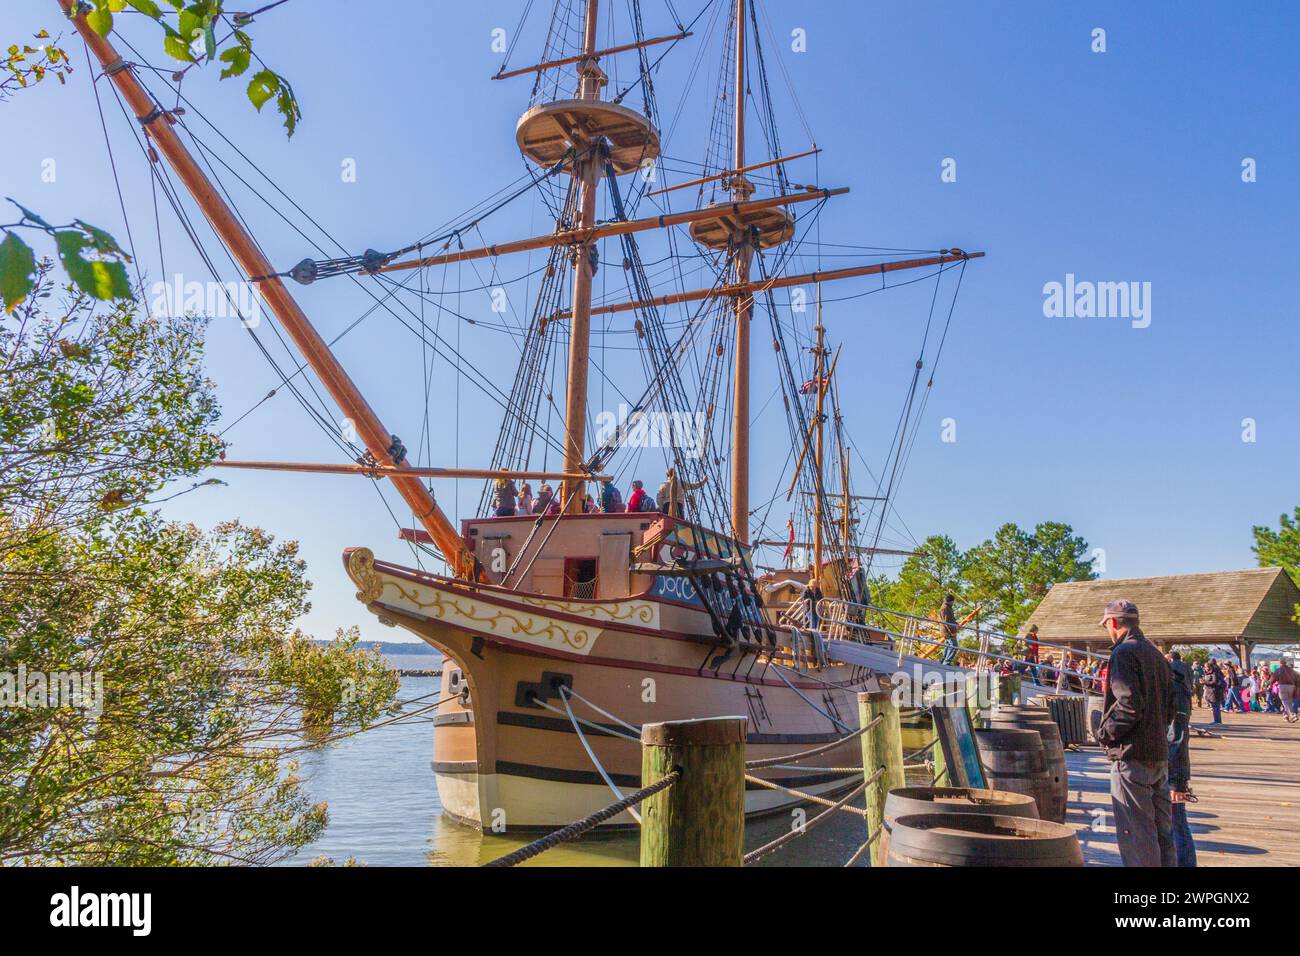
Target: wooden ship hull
x,y
506,755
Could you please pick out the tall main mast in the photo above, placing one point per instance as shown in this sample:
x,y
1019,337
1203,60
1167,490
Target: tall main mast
x,y
588,174
741,190
591,136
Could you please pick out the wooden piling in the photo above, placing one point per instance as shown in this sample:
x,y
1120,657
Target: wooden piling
x,y
882,746
700,819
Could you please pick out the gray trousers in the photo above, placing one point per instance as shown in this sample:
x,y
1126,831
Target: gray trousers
x,y
1139,794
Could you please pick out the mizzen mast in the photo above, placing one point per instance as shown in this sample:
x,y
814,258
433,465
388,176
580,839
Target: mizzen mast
x,y
382,445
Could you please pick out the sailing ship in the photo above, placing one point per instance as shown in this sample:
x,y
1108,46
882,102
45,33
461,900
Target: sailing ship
x,y
564,632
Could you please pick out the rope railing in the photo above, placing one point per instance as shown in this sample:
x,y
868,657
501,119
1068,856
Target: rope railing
x,y
800,794
926,748
753,856
857,855
796,757
579,827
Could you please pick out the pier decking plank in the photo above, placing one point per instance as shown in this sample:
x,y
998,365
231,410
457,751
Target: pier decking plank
x,y
1248,781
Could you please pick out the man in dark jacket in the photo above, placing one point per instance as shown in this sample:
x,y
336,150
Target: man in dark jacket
x,y
1180,760
1134,730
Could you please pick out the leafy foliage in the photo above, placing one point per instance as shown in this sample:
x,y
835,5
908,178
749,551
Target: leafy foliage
x,y
1007,575
24,65
207,690
193,40
91,257
1280,548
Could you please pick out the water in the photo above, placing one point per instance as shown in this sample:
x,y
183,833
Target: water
x,y
384,808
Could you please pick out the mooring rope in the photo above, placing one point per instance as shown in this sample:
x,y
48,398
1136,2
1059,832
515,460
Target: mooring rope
x,y
582,720
755,855
795,757
920,750
857,855
592,754
773,785
579,827
604,713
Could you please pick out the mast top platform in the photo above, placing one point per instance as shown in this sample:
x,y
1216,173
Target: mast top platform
x,y
764,227
547,131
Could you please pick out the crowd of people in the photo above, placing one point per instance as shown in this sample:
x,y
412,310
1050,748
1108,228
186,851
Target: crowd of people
x,y
1268,687
509,499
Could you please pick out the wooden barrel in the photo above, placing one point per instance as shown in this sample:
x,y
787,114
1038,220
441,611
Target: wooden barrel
x,y
1052,748
906,801
1070,714
1014,760
971,839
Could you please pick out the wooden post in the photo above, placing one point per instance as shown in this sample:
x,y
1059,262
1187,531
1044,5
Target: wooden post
x,y
699,820
882,746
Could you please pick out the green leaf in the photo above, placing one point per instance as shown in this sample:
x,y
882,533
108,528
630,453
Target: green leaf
x,y
102,241
190,24
100,19
31,216
238,57
287,104
177,48
210,42
264,85
147,7
100,280
17,264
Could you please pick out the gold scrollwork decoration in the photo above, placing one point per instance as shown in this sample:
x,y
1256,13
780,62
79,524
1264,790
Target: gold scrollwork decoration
x,y
361,568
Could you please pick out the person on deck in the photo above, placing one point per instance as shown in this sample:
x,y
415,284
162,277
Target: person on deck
x,y
637,498
949,616
545,498
1233,694
1214,685
1134,729
525,499
504,497
672,493
1198,671
1180,762
611,502
811,595
1285,676
1031,651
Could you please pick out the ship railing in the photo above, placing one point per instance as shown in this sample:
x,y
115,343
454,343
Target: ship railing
x,y
983,655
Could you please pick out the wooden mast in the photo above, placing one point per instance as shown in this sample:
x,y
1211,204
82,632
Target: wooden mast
x,y
819,451
588,174
378,440
741,190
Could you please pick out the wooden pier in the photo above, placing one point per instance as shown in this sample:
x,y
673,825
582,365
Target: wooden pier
x,y
1248,782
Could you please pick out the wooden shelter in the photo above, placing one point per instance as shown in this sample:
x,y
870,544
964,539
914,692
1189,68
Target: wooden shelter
x,y
1237,608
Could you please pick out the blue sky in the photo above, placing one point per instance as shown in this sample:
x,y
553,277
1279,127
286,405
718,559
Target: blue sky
x,y
1117,166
